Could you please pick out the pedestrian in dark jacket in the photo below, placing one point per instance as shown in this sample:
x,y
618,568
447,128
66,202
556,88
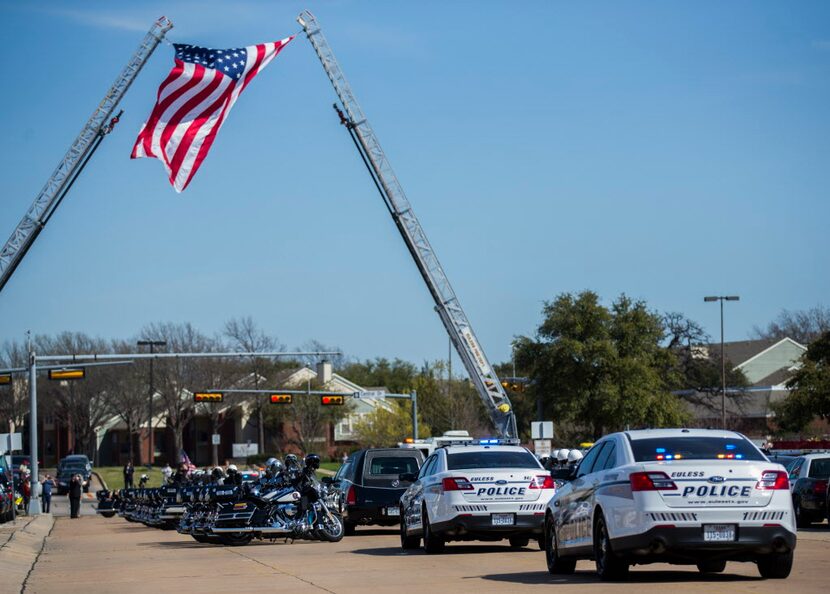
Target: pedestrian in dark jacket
x,y
46,493
128,474
75,486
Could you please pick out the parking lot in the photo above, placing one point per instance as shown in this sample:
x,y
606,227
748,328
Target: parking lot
x,y
93,553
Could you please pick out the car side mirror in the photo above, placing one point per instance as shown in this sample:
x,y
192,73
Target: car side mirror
x,y
410,477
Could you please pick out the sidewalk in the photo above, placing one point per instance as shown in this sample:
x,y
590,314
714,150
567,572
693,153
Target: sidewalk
x,y
21,542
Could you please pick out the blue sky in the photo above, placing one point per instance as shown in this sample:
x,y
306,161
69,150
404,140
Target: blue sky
x,y
665,150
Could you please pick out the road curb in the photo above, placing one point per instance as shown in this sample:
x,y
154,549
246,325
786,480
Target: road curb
x,y
20,552
101,480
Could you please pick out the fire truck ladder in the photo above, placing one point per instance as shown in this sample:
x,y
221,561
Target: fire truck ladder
x,y
446,302
99,125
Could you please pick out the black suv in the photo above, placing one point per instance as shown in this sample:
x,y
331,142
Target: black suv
x,y
368,486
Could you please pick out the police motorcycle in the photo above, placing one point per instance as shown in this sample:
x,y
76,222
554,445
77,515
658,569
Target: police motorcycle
x,y
108,502
288,503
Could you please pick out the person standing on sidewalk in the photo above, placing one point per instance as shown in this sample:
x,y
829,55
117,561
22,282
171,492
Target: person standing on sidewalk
x,y
128,474
46,493
75,495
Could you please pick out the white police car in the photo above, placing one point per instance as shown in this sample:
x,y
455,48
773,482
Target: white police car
x,y
480,490
684,496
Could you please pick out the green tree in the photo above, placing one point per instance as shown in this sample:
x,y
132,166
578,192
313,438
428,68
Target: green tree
x,y
385,428
396,376
600,369
809,388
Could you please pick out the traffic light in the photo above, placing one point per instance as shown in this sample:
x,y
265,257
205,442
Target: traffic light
x,y
5,379
332,400
281,398
66,374
208,397
514,384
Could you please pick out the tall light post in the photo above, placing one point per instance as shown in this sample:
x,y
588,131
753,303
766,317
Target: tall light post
x,y
722,298
152,344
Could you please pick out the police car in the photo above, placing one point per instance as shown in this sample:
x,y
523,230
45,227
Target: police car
x,y
486,489
684,496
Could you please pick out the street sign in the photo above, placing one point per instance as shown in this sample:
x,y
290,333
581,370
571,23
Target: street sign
x,y
332,400
542,447
215,439
370,394
281,398
243,450
11,442
541,430
66,374
208,397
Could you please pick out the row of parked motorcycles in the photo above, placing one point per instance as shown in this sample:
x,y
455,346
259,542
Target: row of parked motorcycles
x,y
286,502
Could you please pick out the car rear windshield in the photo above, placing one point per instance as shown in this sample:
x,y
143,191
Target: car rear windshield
x,y
491,459
385,465
693,448
820,468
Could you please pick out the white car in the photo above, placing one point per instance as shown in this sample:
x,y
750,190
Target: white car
x,y
481,490
685,496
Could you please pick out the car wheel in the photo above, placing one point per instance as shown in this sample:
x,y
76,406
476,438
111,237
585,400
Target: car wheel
x,y
711,566
349,528
801,519
432,542
776,566
609,566
408,542
518,542
556,564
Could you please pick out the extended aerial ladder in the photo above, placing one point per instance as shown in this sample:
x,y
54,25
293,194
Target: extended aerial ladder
x,y
76,158
446,302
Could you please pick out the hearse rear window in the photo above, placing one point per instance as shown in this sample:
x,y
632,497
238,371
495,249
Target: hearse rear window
x,y
383,465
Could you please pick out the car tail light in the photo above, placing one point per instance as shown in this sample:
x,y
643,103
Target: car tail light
x,y
773,480
651,481
456,484
543,481
351,496
820,487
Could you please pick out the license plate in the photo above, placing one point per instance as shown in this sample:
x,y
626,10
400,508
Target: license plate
x,y
718,532
393,511
502,519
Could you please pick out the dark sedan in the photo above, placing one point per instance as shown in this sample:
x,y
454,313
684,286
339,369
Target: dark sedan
x,y
368,486
65,473
808,483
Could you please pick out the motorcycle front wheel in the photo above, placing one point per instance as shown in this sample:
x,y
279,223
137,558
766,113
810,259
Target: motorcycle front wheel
x,y
330,529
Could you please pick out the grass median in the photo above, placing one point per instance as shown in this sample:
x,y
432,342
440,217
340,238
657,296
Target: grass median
x,y
113,476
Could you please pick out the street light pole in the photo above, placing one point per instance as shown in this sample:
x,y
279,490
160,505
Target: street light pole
x,y
722,298
152,344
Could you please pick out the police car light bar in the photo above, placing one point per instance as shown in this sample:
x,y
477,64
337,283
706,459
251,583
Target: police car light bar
x,y
486,442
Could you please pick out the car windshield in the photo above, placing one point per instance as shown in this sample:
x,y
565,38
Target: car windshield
x,y
820,468
385,465
491,459
694,448
73,468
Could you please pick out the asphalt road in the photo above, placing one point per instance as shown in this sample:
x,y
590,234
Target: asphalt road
x,y
116,556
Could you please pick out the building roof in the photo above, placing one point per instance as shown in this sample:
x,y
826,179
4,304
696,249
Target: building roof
x,y
743,350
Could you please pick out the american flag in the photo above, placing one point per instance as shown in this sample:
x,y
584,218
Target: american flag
x,y
193,102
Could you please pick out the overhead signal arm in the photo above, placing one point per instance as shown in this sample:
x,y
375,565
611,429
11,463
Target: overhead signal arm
x,y
99,125
447,304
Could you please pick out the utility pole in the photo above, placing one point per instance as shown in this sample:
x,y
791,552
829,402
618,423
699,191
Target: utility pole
x,y
722,298
152,344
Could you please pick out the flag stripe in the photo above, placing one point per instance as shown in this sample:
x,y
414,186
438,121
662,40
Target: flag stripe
x,y
193,102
